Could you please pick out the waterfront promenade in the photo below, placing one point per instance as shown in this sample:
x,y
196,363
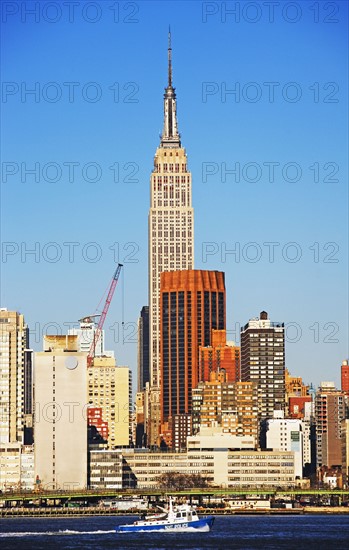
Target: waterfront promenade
x,y
208,501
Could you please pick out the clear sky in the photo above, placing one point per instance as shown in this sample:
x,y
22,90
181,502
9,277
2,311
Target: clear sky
x,y
262,111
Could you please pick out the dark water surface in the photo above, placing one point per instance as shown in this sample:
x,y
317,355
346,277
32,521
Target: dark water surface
x,y
246,532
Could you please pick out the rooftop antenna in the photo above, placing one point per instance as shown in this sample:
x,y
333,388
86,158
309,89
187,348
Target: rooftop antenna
x,y
169,58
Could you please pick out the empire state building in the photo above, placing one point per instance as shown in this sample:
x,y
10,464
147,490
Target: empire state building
x,y
171,230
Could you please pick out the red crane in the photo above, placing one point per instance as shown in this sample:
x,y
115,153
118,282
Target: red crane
x,y
99,328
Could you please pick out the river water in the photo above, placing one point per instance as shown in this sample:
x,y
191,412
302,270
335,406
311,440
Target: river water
x,y
307,532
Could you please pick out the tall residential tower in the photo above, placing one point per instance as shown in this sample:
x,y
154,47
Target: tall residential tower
x,y
171,230
15,383
330,410
263,362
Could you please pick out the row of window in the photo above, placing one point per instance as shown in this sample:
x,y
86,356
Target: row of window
x,y
170,167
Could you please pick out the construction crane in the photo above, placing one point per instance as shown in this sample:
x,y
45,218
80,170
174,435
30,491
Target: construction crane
x,y
99,328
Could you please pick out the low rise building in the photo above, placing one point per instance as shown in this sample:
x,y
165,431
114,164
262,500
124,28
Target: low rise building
x,y
215,438
222,459
10,466
27,466
105,469
16,467
261,469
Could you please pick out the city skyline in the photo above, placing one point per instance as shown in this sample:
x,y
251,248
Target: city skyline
x,y
217,132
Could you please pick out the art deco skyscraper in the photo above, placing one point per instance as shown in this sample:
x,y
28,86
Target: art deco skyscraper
x,y
171,225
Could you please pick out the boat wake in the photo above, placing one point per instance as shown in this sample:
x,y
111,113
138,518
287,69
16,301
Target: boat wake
x,y
53,533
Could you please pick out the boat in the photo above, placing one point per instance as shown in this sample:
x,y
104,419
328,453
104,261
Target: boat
x,y
178,517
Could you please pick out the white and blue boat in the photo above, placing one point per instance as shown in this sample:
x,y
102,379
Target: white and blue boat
x,y
180,517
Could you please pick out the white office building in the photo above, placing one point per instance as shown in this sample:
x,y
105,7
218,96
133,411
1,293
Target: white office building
x,y
86,333
287,434
60,429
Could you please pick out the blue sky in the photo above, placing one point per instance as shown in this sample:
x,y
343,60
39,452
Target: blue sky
x,y
99,73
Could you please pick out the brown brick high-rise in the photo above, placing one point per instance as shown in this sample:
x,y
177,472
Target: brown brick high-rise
x,y
219,355
345,377
192,303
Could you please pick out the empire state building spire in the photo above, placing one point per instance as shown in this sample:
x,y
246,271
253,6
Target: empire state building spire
x,y
171,239
169,55
170,136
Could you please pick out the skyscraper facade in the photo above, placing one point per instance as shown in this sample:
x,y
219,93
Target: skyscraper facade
x,y
143,349
263,362
329,412
14,340
220,355
345,376
110,389
86,333
171,228
345,449
192,303
287,434
231,405
60,447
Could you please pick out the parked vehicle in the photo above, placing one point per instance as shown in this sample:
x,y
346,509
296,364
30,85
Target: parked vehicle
x,y
124,504
247,504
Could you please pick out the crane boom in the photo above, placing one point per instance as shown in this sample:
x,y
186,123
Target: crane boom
x,y
99,328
